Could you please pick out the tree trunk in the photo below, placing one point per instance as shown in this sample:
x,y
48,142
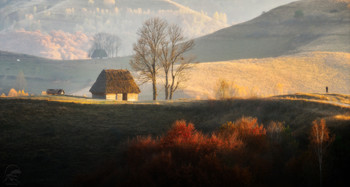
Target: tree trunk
x,y
154,84
166,86
172,87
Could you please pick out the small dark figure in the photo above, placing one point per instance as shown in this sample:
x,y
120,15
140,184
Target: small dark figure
x,y
326,89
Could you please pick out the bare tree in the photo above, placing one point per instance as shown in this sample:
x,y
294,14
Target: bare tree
x,y
173,59
146,60
320,140
108,42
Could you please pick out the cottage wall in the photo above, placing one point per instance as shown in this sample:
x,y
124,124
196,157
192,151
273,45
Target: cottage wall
x,y
133,97
98,96
119,97
111,96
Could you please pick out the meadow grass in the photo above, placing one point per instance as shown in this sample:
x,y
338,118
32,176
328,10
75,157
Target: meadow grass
x,y
53,139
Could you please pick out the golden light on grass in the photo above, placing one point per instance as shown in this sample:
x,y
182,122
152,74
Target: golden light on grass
x,y
342,117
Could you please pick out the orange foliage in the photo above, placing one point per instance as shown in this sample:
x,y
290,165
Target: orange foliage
x,y
187,155
180,133
319,133
245,127
320,139
236,155
14,93
248,130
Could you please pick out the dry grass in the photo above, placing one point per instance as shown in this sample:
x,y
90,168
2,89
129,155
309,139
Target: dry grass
x,y
69,138
337,99
309,73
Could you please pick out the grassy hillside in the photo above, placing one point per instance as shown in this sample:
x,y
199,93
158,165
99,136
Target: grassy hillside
x,y
308,72
300,26
237,11
53,142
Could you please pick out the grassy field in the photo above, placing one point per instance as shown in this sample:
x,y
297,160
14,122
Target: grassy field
x,y
53,142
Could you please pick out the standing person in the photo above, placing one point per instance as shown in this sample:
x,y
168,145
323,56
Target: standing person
x,y
326,89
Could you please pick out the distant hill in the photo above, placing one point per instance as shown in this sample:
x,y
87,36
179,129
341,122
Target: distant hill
x,y
301,26
42,73
62,29
237,11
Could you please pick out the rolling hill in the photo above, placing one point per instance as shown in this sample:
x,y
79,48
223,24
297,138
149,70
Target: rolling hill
x,y
304,72
237,11
301,26
63,29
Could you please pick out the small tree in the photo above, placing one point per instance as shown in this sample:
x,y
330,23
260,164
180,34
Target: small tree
x,y
173,53
105,45
320,140
21,82
225,89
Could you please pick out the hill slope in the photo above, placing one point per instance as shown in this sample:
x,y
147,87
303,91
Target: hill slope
x,y
237,11
63,29
301,26
307,72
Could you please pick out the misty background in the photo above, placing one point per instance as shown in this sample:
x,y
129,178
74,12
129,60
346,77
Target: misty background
x,y
59,29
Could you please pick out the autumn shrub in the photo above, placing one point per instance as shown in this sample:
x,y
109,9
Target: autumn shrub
x,y
248,130
184,156
181,132
239,153
12,93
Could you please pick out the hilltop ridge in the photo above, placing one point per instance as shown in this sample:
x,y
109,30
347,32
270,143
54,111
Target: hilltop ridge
x,y
302,26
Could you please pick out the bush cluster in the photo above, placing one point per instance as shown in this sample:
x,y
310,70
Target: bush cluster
x,y
240,153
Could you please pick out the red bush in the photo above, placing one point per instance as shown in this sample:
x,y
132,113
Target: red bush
x,y
185,156
246,129
180,133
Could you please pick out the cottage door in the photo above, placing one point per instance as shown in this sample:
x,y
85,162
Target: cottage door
x,y
125,96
